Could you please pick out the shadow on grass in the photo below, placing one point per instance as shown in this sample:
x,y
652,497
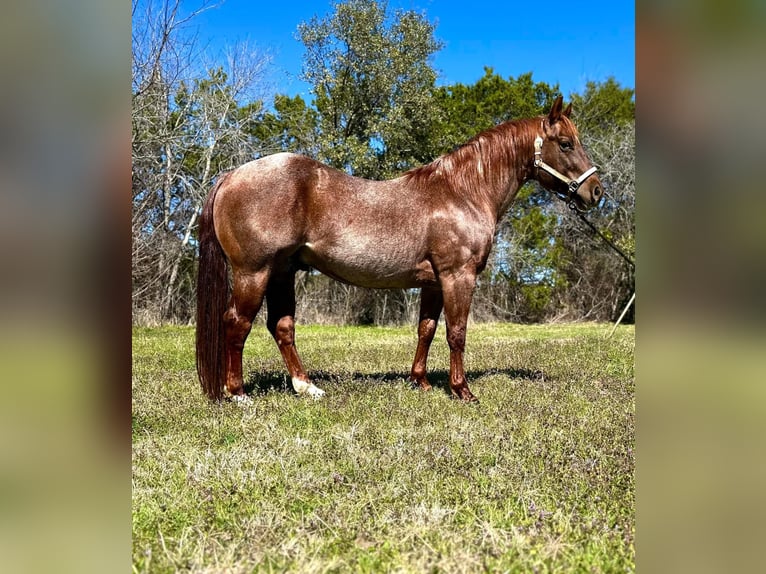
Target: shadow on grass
x,y
262,382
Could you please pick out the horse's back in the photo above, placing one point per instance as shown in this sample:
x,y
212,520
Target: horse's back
x,y
360,231
271,175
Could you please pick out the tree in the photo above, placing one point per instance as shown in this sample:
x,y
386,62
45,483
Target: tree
x,y
292,126
376,113
189,124
604,105
598,282
468,110
373,86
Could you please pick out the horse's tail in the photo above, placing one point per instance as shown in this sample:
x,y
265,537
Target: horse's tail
x,y
212,298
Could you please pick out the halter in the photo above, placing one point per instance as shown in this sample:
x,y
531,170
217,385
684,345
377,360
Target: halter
x,y
572,184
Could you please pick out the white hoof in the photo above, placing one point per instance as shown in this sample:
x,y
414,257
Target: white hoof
x,y
242,399
306,388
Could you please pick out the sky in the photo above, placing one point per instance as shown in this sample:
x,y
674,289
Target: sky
x,y
561,42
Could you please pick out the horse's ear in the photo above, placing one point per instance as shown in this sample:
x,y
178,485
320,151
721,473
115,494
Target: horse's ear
x,y
555,113
568,111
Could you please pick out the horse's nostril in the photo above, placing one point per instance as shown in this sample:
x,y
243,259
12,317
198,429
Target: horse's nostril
x,y
597,192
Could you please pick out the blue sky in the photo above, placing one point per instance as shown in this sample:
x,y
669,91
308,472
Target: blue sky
x,y
568,43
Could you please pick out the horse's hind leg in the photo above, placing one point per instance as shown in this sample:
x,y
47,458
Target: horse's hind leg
x,y
280,298
248,290
431,303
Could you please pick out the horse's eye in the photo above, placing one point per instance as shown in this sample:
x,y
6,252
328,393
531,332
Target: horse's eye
x,y
566,146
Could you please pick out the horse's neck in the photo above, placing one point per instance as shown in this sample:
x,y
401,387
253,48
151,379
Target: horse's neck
x,y
514,164
486,171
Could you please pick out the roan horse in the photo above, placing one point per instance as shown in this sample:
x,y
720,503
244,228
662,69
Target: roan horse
x,y
431,228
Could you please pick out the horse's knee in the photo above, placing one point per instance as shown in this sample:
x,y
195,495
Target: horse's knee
x,y
456,338
426,329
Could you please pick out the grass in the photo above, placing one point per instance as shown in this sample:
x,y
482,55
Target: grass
x,y
378,477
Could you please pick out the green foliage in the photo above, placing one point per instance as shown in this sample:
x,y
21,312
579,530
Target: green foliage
x,y
212,123
292,126
602,106
468,110
373,83
526,258
378,477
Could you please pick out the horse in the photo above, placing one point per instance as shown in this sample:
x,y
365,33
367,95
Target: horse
x,y
431,228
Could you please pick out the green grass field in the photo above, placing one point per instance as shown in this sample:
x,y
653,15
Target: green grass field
x,y
378,477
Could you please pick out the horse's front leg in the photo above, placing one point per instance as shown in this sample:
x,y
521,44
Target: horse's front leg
x,y
431,303
457,290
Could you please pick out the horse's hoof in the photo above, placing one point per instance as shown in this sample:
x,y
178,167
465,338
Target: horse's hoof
x,y
242,399
423,384
465,395
306,388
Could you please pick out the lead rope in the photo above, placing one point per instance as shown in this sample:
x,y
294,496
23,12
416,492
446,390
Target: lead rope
x,y
572,186
621,254
606,239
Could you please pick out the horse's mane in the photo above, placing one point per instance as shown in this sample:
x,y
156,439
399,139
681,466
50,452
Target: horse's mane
x,y
486,158
482,159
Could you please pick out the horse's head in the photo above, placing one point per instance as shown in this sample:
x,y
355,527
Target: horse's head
x,y
562,166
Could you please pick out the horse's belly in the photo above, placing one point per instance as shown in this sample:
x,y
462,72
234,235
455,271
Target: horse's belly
x,y
381,269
